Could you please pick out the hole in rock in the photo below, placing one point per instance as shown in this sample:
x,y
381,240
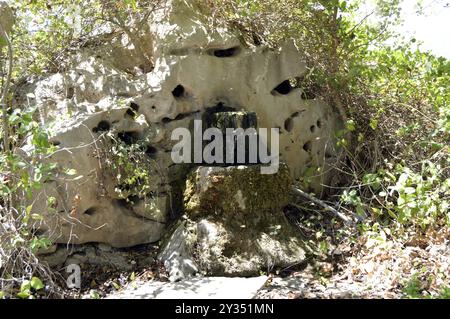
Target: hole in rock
x,y
307,147
178,91
289,124
153,107
287,86
283,88
134,108
129,137
312,128
151,151
225,53
103,126
319,123
90,211
166,120
55,143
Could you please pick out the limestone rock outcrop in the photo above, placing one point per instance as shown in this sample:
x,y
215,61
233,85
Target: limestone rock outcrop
x,y
102,108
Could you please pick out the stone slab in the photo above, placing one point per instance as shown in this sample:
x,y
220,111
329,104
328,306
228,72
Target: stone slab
x,y
195,288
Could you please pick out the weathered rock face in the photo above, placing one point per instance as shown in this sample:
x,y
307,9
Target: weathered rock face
x,y
102,108
231,228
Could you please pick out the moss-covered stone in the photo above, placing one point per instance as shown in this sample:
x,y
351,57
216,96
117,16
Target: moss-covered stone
x,y
234,224
239,191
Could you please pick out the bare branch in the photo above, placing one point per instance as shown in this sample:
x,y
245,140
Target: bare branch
x,y
327,207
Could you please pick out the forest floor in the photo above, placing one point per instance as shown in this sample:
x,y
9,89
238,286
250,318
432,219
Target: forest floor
x,y
390,270
347,268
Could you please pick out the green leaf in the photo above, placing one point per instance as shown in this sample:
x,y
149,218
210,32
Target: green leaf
x,y
36,283
94,294
23,295
25,289
351,125
373,124
37,217
116,285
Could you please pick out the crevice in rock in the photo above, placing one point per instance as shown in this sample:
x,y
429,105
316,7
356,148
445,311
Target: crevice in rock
x,y
225,53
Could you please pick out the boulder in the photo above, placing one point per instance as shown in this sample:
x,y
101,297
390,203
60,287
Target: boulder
x,y
231,227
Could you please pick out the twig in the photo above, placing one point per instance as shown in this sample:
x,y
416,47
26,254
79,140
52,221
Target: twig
x,y
327,207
